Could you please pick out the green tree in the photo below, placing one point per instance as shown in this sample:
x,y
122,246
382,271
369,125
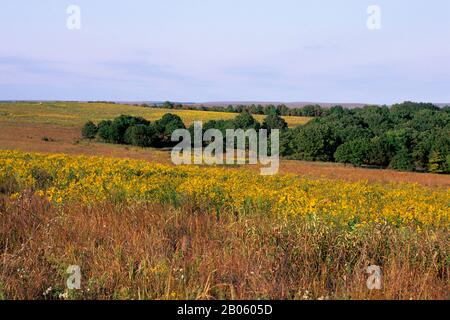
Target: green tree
x,y
271,110
437,163
274,122
246,121
168,105
354,152
165,127
140,135
378,152
104,130
89,130
314,142
402,160
120,125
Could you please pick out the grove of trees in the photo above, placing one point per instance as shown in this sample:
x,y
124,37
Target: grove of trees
x,y
407,136
270,109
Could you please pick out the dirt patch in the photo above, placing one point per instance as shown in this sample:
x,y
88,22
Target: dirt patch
x,y
30,137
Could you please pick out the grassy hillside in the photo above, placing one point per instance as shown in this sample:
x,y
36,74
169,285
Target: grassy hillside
x,y
73,113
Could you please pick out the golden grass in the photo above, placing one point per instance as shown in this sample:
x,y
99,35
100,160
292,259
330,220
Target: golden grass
x,y
151,251
76,114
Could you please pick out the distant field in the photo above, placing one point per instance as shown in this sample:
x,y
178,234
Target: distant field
x,y
55,128
72,113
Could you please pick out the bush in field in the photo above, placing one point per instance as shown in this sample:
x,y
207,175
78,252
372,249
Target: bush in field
x,y
114,131
140,135
120,125
138,131
169,123
438,163
221,125
165,127
42,179
89,130
104,130
354,152
8,184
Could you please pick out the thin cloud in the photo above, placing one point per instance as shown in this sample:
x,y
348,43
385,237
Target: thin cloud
x,y
144,70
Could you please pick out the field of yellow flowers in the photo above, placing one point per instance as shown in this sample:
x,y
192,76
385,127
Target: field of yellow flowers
x,y
141,230
91,180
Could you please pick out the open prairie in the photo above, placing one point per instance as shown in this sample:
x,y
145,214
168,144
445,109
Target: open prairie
x,y
225,150
141,228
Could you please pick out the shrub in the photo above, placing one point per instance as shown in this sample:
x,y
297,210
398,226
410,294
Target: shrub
x,y
166,126
89,130
140,135
42,179
246,121
274,122
120,125
314,142
437,163
114,131
8,184
104,130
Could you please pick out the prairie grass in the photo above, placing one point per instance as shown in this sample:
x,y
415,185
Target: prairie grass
x,y
150,231
154,251
78,113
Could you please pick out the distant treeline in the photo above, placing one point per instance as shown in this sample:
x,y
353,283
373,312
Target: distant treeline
x,y
281,109
408,136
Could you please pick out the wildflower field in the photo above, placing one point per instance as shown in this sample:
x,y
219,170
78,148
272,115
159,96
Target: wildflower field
x,y
142,230
90,180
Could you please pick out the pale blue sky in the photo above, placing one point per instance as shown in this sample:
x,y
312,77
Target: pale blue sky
x,y
217,50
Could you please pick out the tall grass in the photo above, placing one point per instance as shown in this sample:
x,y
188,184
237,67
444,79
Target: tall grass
x,y
150,251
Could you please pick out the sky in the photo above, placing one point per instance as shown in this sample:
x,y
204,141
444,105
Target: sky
x,y
226,50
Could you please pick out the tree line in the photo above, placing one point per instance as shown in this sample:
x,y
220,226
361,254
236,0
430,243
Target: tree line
x,y
259,109
140,132
407,136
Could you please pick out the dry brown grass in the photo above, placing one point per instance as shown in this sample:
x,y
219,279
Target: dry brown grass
x,y
146,251
350,173
67,140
